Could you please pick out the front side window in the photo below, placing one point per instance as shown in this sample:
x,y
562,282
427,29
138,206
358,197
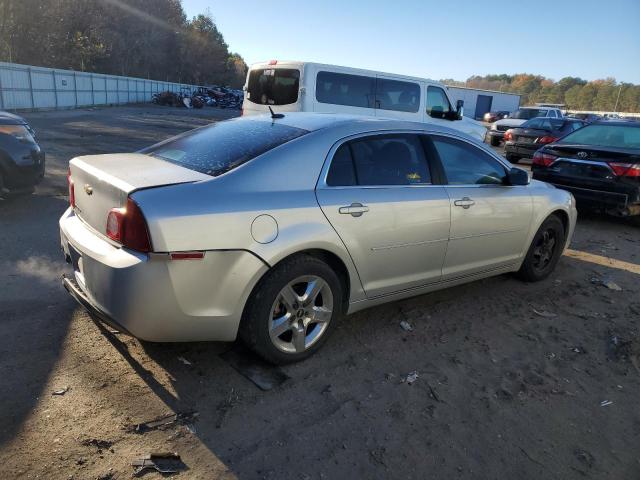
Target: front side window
x,y
397,95
273,86
344,89
397,159
223,146
437,102
465,164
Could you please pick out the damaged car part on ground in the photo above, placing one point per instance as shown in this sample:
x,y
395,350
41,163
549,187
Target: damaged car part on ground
x,y
372,211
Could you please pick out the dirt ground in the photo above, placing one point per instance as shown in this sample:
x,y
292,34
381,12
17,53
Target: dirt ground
x,y
511,376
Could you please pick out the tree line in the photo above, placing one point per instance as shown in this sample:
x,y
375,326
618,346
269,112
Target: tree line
x,y
138,38
577,94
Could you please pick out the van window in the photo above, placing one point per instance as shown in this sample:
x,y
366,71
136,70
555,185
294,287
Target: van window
x,y
397,95
437,101
345,89
273,86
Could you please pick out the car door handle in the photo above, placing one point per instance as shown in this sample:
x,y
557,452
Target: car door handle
x,y
355,210
466,202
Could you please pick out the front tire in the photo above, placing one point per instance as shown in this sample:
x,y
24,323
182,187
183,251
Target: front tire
x,y
544,252
293,310
512,158
495,141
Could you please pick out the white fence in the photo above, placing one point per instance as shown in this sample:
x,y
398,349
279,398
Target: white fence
x,y
23,87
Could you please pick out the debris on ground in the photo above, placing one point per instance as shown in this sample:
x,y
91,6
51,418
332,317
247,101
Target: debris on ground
x,y
544,313
184,360
406,326
578,349
163,462
60,391
605,403
97,443
606,282
226,405
163,422
411,378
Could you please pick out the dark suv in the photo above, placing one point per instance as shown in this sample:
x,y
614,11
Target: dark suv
x,y
21,158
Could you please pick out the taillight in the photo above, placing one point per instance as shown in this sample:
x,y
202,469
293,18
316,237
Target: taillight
x,y
508,135
547,139
72,192
128,227
543,159
242,112
625,169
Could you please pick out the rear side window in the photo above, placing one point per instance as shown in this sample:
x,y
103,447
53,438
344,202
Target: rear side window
x,y
397,95
345,89
465,164
380,160
223,146
437,102
273,86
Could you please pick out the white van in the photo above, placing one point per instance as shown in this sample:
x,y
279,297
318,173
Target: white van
x,y
313,87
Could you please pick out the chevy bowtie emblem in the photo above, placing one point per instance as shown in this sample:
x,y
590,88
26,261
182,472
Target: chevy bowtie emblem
x,y
88,189
582,154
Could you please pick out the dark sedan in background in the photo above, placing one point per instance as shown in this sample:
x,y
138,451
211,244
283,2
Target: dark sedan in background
x,y
522,142
21,158
599,164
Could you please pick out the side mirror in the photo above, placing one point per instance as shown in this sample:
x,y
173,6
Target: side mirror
x,y
517,176
459,109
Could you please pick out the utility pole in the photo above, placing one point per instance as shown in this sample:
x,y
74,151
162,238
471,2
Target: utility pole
x,y
615,109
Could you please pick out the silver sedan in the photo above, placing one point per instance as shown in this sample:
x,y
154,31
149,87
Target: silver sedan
x,y
273,228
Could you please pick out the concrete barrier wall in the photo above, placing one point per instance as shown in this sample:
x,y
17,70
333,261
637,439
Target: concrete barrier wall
x,y
24,87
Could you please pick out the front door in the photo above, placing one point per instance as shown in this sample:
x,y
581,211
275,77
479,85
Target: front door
x,y
490,221
379,198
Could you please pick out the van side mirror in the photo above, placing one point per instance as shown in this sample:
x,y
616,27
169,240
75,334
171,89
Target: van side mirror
x,y
517,176
459,109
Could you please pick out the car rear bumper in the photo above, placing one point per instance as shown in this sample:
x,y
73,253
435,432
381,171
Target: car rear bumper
x,y
495,133
520,150
153,297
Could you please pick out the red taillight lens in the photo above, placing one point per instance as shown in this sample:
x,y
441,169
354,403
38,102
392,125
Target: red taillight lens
x,y
547,139
242,112
543,159
625,169
508,135
72,192
128,227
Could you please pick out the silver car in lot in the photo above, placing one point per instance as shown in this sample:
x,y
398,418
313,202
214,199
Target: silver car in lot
x,y
272,228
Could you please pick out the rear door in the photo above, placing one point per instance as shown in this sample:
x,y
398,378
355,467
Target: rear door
x,y
490,221
398,98
275,86
378,193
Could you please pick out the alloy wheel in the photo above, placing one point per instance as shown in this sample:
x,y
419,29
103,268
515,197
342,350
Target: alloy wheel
x,y
544,249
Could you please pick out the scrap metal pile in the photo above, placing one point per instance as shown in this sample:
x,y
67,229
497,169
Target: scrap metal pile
x,y
213,96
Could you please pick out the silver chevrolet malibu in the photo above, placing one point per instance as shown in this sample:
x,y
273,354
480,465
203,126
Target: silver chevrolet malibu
x,y
274,227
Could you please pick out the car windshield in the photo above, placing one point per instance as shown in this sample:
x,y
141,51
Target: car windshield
x,y
273,86
223,146
527,113
602,135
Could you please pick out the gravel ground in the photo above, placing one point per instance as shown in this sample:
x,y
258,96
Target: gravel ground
x,y
510,376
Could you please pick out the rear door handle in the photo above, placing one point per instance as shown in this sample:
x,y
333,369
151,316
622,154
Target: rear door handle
x,y
355,210
465,203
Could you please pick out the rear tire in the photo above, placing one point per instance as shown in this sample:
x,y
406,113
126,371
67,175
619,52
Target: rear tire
x,y
512,158
293,310
495,141
544,252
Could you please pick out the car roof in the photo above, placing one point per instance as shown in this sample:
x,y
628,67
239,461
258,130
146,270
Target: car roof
x,y
323,121
618,121
7,118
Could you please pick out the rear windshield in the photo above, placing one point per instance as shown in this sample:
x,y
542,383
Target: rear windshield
x,y
273,86
223,146
618,136
527,113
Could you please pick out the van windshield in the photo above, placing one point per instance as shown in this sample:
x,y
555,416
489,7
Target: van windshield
x,y
273,86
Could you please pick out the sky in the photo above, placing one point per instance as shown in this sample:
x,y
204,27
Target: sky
x,y
590,39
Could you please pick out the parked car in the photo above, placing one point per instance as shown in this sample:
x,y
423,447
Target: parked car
x,y
491,117
517,118
523,141
315,87
599,164
273,227
21,158
586,117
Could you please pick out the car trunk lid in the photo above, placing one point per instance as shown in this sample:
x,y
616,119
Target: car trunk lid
x,y
103,182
